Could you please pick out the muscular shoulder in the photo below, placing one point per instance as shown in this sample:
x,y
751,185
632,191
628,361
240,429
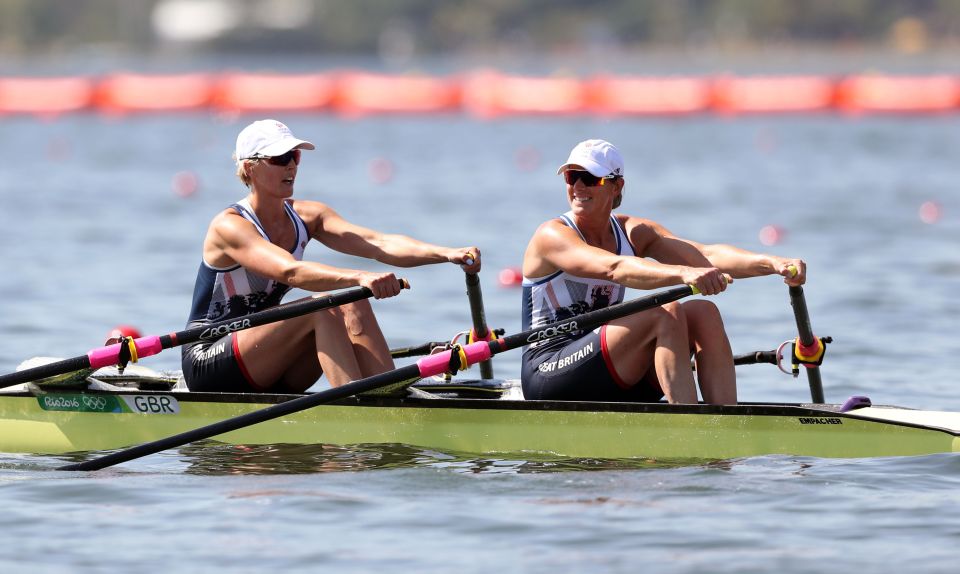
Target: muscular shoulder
x,y
313,213
642,232
551,239
552,231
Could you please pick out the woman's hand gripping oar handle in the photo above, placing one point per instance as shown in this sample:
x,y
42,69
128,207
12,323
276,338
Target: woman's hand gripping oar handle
x,y
480,330
133,349
808,349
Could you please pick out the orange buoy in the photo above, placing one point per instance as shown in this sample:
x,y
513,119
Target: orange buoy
x,y
613,95
125,93
930,212
899,94
124,331
489,94
256,93
510,277
381,170
185,183
773,94
359,94
45,96
771,235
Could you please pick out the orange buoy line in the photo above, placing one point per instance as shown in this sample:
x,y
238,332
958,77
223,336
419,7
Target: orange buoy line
x,y
45,96
259,93
483,94
361,93
773,94
629,95
132,93
899,94
491,94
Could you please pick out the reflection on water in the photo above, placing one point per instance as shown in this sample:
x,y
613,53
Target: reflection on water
x,y
217,459
220,459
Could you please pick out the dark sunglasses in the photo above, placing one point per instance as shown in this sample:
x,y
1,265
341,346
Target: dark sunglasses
x,y
571,176
282,160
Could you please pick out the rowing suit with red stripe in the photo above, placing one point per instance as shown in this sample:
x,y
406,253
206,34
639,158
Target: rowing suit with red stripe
x,y
575,366
229,293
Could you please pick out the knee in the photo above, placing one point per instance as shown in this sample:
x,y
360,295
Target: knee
x,y
665,320
672,316
326,318
356,316
703,313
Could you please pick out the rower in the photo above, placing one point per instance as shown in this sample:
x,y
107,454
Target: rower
x,y
253,255
584,260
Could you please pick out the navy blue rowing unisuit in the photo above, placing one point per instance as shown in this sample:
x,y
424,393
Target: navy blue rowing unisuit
x,y
220,294
575,366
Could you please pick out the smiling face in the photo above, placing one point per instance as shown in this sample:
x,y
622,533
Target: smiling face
x,y
588,198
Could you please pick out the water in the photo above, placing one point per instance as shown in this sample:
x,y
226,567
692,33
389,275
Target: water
x,y
93,236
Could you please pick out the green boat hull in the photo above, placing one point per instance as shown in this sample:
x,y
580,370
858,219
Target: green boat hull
x,y
57,423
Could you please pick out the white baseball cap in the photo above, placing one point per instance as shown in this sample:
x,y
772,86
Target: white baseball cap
x,y
601,158
267,138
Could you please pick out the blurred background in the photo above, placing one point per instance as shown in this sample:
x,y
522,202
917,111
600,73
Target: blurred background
x,y
540,35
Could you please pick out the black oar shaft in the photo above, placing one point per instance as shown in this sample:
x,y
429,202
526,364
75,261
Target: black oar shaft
x,y
591,319
44,371
278,313
152,345
416,351
249,419
807,338
480,329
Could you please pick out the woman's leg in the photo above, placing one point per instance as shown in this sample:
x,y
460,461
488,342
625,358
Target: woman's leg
x,y
655,339
293,353
711,351
345,343
369,345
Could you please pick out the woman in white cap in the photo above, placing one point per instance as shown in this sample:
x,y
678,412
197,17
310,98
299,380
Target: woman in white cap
x,y
585,258
252,255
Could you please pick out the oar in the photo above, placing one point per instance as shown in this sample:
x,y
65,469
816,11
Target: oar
x,y
416,351
480,330
426,367
753,358
134,349
809,344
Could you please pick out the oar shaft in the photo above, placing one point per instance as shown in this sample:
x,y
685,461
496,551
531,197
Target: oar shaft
x,y
480,330
807,339
475,352
44,371
151,345
249,419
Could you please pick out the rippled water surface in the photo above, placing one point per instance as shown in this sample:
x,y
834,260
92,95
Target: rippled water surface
x,y
93,235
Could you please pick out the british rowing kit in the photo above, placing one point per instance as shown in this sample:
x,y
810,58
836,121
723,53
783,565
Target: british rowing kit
x,y
226,293
575,366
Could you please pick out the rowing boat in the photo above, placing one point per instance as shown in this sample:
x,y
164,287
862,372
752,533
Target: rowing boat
x,y
467,416
81,405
